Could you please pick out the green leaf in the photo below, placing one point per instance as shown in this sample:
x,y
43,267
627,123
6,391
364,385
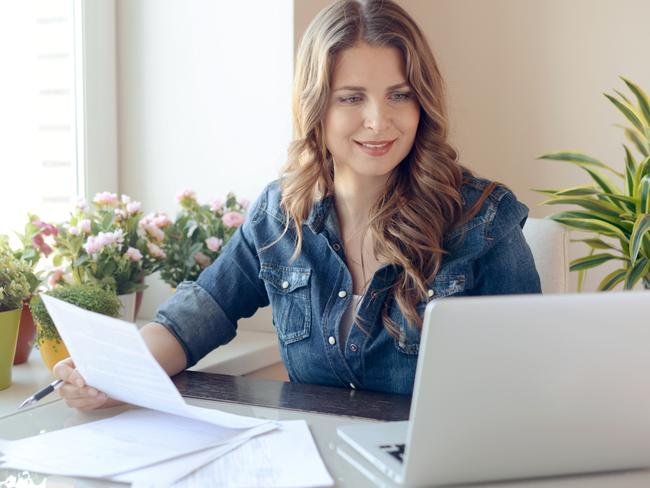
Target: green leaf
x,y
641,226
622,225
595,243
630,170
642,98
642,170
612,279
644,195
578,191
591,261
607,185
545,191
579,159
586,202
592,225
634,138
625,99
627,204
636,272
629,112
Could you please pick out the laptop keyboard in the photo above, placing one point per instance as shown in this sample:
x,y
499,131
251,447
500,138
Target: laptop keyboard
x,y
395,450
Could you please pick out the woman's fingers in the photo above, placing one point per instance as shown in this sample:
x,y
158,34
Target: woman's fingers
x,y
74,391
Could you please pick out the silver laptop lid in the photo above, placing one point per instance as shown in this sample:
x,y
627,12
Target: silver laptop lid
x,y
531,385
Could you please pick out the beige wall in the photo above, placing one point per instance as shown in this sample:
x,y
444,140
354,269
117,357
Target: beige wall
x,y
526,77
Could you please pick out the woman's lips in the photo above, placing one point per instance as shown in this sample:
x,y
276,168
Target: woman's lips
x,y
376,148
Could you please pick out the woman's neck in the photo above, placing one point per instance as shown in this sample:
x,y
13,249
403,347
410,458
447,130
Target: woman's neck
x,y
354,197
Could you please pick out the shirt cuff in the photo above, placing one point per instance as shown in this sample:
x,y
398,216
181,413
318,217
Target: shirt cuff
x,y
196,320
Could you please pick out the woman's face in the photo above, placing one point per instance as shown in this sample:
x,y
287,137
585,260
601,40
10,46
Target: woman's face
x,y
372,115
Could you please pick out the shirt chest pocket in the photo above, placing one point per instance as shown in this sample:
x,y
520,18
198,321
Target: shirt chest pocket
x,y
443,286
289,293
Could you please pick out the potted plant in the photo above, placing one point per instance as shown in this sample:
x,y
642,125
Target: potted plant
x,y
111,243
89,297
617,212
14,288
197,235
36,242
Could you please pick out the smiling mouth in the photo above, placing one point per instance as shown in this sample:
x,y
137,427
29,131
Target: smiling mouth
x,y
376,144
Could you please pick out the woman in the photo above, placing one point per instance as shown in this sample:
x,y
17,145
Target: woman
x,y
372,218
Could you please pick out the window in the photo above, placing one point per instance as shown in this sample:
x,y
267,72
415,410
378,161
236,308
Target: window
x,y
39,158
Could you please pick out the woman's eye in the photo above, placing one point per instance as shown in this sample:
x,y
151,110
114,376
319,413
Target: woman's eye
x,y
352,99
401,96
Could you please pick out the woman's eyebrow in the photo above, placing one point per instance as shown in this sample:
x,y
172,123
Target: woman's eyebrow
x,y
361,88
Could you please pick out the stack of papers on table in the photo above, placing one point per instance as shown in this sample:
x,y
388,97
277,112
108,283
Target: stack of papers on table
x,y
154,446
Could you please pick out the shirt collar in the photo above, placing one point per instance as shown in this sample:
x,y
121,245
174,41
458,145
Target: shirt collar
x,y
319,212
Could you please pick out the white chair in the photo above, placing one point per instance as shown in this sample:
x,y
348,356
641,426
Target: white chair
x,y
549,242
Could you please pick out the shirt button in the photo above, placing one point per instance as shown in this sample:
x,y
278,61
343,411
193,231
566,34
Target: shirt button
x,y
285,284
343,294
430,293
331,340
336,247
353,348
352,386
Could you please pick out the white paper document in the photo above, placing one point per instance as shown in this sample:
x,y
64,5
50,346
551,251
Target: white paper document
x,y
286,457
112,356
119,444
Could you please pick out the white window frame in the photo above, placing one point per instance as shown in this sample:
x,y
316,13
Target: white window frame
x,y
96,97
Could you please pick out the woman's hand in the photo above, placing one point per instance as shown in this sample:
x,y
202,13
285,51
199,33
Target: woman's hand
x,y
74,391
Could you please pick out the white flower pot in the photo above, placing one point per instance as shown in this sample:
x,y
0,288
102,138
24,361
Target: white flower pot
x,y
127,311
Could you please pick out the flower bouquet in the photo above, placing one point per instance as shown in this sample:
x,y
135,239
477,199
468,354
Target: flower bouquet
x,y
111,243
197,235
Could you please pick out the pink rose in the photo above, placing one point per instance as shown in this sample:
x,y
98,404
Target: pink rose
x,y
216,205
155,250
92,245
55,277
202,260
244,203
133,254
39,243
133,207
233,219
186,196
84,226
154,232
213,243
106,198
73,231
161,221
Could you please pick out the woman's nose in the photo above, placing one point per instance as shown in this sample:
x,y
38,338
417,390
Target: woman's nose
x,y
376,117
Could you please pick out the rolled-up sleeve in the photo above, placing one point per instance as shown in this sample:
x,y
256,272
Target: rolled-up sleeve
x,y
203,315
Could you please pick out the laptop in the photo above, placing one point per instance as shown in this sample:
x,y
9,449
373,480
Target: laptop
x,y
521,386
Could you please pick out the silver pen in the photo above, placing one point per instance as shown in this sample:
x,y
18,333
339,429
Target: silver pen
x,y
42,393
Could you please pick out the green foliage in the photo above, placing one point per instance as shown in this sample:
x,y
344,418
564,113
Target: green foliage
x,y
186,240
14,283
88,297
109,242
621,216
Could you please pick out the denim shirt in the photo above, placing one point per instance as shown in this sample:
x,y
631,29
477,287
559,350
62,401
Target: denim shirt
x,y
487,256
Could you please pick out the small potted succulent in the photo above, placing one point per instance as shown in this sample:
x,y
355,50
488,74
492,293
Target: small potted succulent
x,y
618,212
14,288
89,297
197,235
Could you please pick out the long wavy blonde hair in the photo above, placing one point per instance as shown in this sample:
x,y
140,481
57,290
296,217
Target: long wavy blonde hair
x,y
422,199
